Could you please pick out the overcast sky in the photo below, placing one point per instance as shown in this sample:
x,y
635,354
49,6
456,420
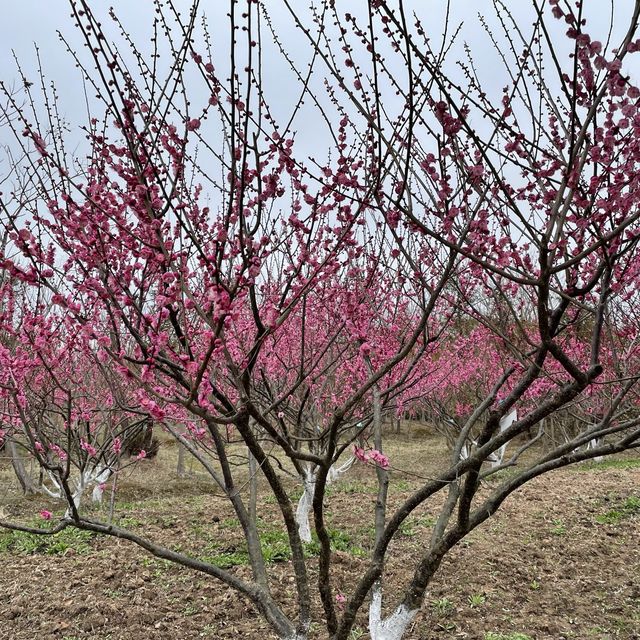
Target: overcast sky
x,y
30,22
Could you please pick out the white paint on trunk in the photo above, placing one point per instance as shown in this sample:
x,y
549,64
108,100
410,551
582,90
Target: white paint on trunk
x,y
91,476
305,503
594,444
100,479
465,452
497,457
79,491
394,626
304,506
56,492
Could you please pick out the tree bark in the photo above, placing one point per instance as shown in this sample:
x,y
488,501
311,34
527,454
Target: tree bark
x,y
29,487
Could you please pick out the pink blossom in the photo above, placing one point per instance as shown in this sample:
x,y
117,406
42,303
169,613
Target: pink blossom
x,y
90,449
596,47
615,65
61,453
46,515
360,454
142,455
116,447
379,458
192,125
476,170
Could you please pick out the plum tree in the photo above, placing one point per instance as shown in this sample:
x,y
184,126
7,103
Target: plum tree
x,y
248,290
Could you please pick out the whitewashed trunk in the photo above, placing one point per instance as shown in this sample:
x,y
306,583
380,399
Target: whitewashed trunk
x,y
79,492
497,457
394,626
305,503
98,490
594,444
304,506
56,492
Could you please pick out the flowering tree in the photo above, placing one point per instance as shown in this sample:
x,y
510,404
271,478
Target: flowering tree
x,y
231,283
59,403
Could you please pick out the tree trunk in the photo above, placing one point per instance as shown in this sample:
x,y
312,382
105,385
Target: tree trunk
x,y
100,481
304,506
180,470
392,627
29,487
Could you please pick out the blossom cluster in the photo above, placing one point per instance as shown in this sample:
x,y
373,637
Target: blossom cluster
x,y
372,455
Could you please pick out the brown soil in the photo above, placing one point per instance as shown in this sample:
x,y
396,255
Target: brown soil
x,y
561,560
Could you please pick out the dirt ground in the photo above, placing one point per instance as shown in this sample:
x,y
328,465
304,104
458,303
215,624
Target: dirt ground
x,y
561,560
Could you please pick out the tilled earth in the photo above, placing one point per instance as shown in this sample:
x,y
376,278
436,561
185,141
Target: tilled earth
x,y
560,560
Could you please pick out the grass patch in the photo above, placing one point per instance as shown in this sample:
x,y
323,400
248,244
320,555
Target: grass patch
x,y
351,487
227,559
559,528
275,548
629,508
58,544
443,606
633,463
410,526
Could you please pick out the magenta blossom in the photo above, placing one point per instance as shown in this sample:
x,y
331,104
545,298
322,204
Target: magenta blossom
x,y
376,457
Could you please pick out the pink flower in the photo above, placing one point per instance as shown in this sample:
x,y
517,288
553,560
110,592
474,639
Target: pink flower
x,y
116,447
142,455
45,515
340,600
61,453
90,449
360,453
192,125
379,458
375,456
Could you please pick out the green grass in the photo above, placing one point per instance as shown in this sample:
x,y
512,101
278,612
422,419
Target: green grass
x,y
633,463
58,544
443,606
629,508
401,485
351,487
559,528
130,522
340,541
227,559
275,548
477,600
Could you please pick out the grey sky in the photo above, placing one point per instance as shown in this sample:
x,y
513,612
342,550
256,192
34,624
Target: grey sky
x,y
30,21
